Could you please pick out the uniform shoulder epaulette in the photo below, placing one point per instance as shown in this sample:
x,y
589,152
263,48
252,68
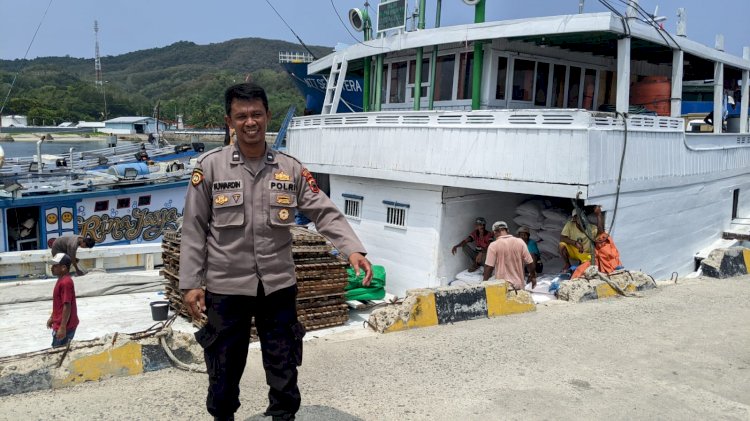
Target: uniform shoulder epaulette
x,y
209,153
290,157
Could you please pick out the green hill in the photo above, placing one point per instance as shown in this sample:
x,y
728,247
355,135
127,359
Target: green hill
x,y
183,78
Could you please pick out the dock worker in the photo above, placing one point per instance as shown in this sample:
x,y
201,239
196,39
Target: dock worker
x,y
481,239
236,242
69,245
575,242
507,256
525,234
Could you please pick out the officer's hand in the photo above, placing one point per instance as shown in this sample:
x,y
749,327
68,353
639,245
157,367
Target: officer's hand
x,y
357,260
195,301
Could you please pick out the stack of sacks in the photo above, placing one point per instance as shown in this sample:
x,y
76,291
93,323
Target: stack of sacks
x,y
529,214
554,220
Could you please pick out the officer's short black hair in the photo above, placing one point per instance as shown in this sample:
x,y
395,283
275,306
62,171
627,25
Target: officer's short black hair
x,y
89,242
244,91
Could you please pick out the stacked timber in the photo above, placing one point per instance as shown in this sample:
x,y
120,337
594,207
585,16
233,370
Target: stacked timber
x,y
321,278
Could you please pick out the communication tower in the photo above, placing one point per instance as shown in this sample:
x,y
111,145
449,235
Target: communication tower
x,y
97,61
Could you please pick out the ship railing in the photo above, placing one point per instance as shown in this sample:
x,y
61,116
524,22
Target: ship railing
x,y
295,57
145,256
507,119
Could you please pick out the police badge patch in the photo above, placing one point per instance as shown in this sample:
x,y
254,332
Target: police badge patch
x,y
283,214
310,180
197,177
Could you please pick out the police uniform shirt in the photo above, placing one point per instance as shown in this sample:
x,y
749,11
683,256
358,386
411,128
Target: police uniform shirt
x,y
236,222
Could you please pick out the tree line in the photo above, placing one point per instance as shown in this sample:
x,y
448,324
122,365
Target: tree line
x,y
181,79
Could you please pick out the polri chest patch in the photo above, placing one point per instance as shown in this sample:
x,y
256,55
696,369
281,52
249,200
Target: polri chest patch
x,y
225,185
282,186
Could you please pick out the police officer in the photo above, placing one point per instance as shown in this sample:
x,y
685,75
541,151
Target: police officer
x,y
236,241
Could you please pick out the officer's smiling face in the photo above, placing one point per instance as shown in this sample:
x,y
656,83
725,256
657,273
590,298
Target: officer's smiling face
x,y
249,120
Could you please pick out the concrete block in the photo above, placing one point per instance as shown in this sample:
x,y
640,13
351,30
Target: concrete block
x,y
456,304
726,263
154,358
417,310
39,379
500,302
429,307
125,360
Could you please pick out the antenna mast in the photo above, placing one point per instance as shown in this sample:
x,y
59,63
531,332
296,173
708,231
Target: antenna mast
x,y
97,61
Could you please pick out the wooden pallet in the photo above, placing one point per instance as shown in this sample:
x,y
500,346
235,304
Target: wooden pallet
x,y
321,278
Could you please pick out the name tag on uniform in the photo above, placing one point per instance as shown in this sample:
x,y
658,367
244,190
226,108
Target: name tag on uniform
x,y
282,186
227,185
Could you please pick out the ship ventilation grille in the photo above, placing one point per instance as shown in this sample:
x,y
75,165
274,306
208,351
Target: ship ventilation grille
x,y
602,121
416,119
312,121
356,120
449,119
557,119
522,119
333,121
386,119
741,140
479,119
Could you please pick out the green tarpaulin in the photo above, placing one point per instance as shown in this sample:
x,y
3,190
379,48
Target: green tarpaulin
x,y
376,291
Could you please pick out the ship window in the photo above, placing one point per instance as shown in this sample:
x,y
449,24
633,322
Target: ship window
x,y
607,88
353,208
502,74
465,70
542,79
425,77
398,83
123,203
444,77
101,206
523,80
144,200
735,202
558,86
395,213
589,86
574,86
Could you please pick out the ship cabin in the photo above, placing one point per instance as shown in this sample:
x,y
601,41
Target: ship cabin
x,y
577,110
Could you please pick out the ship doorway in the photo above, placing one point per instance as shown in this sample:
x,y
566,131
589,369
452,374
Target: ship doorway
x,y
23,228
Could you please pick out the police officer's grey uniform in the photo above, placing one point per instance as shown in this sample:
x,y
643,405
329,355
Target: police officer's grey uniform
x,y
236,241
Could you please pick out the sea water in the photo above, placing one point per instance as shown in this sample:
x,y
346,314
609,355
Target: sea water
x,y
22,149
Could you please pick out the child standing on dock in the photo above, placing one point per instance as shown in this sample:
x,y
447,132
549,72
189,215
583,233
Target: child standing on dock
x,y
64,318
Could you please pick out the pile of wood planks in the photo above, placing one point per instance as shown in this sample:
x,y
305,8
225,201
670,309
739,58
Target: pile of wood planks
x,y
321,278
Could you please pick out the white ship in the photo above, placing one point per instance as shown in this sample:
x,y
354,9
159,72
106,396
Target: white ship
x,y
521,109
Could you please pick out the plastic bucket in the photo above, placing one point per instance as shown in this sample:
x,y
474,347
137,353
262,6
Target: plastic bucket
x,y
159,310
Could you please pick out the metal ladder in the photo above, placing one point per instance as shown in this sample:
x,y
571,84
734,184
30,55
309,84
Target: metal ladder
x,y
335,84
280,142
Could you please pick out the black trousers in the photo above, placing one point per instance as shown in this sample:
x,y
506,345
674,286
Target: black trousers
x,y
225,340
